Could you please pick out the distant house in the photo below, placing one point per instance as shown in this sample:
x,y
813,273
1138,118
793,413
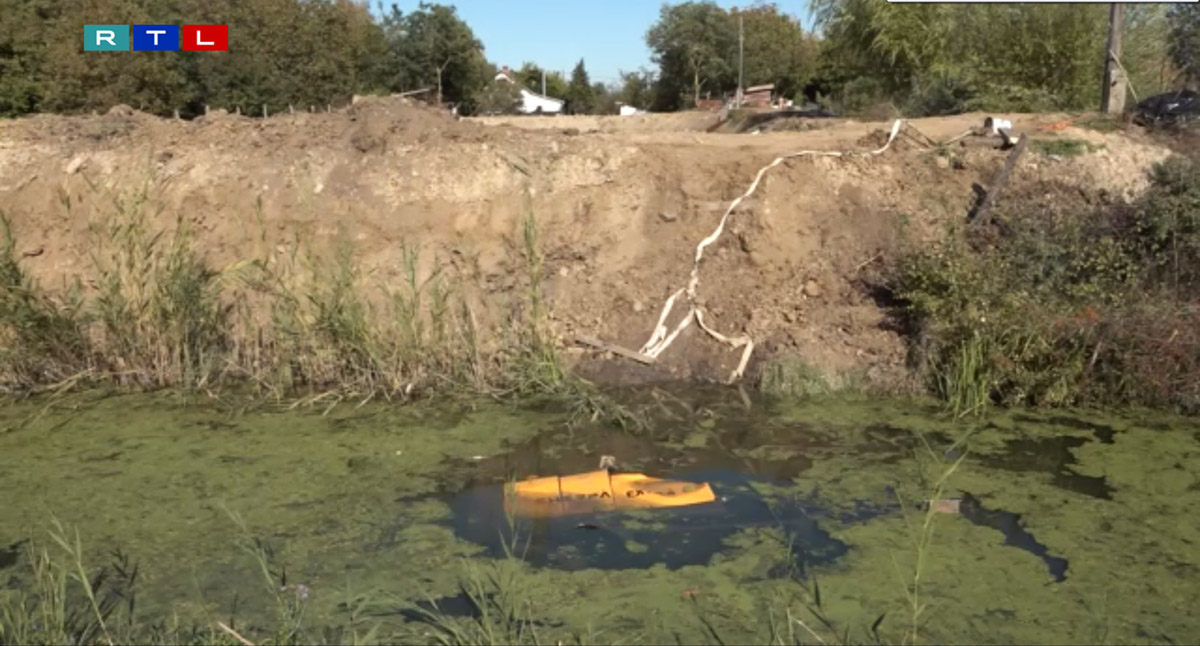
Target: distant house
x,y
531,102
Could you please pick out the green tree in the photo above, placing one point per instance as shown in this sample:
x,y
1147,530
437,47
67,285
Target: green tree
x,y
22,52
530,75
1146,48
1185,41
604,98
435,47
580,93
637,89
692,41
775,49
498,97
1009,57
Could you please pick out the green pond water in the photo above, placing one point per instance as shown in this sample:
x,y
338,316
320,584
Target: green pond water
x,y
1076,527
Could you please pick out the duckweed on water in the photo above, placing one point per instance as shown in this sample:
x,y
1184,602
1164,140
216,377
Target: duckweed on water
x,y
359,508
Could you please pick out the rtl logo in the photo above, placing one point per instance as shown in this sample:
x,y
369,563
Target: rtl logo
x,y
156,38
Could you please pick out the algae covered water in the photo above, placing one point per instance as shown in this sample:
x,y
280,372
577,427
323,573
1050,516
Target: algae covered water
x,y
1072,527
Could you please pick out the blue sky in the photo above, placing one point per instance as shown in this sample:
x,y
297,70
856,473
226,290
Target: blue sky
x,y
610,35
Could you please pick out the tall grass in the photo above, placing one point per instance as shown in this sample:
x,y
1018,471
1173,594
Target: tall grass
x,y
295,322
921,535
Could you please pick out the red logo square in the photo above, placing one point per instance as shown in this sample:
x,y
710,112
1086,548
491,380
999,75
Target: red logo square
x,y
205,38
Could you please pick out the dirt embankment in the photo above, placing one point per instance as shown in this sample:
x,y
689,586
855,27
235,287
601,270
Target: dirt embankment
x,y
622,205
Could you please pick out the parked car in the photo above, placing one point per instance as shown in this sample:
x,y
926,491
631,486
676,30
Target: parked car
x,y
1171,108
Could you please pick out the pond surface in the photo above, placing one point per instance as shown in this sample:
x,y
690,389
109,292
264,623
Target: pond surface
x,y
1072,527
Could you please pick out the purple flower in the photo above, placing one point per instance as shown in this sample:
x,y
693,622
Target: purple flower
x,y
301,592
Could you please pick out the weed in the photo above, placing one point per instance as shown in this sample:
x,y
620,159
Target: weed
x,y
1063,147
922,535
793,377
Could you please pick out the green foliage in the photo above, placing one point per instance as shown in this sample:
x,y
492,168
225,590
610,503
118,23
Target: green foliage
x,y
1185,41
695,46
435,48
498,98
530,75
775,50
581,96
941,94
1066,308
605,98
939,59
281,53
1146,49
691,43
637,89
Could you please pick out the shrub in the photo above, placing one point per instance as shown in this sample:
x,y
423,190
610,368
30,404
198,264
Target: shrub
x,y
1065,308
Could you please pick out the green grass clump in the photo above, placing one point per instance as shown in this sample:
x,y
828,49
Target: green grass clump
x,y
1063,147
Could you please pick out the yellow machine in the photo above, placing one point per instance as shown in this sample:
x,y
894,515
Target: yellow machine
x,y
601,490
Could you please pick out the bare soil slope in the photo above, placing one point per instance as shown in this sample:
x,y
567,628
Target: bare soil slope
x,y
622,204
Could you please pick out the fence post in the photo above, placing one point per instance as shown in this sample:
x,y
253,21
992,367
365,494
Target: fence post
x,y
206,109
264,110
291,109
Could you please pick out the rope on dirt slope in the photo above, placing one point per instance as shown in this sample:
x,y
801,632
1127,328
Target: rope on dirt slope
x,y
660,339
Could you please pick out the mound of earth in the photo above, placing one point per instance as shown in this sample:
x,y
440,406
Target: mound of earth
x,y
621,209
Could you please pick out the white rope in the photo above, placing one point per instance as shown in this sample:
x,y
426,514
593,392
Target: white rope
x,y
660,339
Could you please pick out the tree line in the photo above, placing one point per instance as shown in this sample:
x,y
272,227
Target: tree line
x,y
282,53
920,59
942,58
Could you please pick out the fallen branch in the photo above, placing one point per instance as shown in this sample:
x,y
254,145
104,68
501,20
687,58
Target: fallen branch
x,y
981,215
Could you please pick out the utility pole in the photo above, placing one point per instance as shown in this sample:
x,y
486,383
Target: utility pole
x,y
741,60
1112,94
